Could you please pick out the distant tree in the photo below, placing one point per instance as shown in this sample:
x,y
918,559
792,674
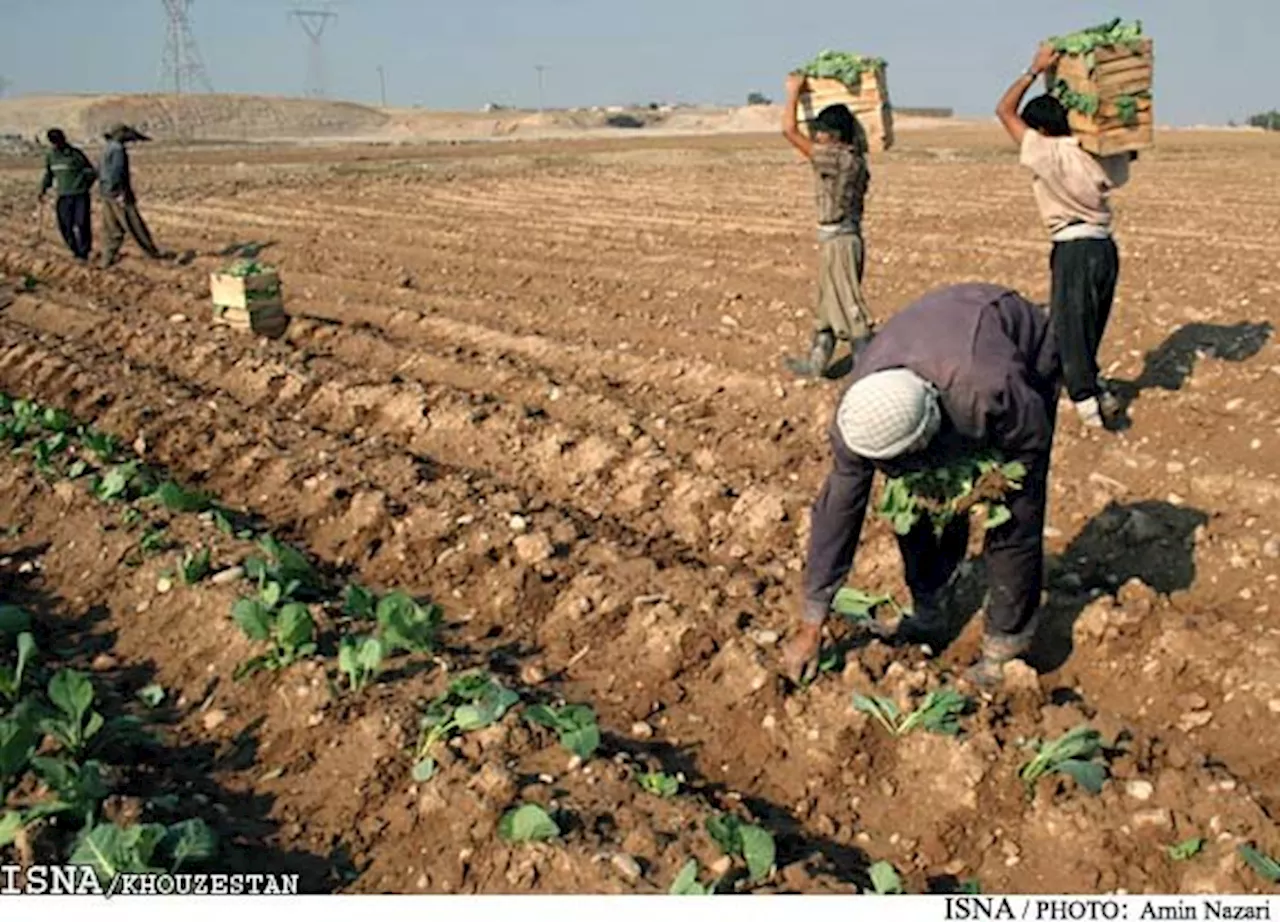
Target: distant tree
x,y
758,99
1268,120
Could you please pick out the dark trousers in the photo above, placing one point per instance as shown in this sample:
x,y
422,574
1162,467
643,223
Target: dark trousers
x,y
118,216
75,223
1014,554
1084,285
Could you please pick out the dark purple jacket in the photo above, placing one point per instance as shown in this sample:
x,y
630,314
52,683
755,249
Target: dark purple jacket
x,y
992,357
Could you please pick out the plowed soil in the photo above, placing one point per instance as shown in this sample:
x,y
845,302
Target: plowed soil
x,y
542,385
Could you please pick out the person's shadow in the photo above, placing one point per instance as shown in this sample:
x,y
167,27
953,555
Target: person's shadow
x,y
1151,541
1169,366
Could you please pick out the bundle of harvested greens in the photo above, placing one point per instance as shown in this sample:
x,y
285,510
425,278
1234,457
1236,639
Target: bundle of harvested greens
x,y
945,493
844,66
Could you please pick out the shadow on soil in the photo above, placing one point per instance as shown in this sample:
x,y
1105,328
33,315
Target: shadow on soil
x,y
821,857
158,782
1150,541
1169,366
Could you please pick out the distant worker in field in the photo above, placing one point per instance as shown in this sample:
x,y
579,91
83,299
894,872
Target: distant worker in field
x,y
68,171
837,150
119,204
965,368
1072,189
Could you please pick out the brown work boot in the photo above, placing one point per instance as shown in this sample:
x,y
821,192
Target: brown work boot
x,y
997,649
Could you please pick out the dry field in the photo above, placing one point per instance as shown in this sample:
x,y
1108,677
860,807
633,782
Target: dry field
x,y
540,384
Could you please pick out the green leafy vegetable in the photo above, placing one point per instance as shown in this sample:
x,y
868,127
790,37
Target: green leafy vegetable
x,y
11,676
1186,849
471,702
360,659
686,882
660,784
290,630
857,605
176,499
359,602
1078,753
406,625
152,695
844,66
196,565
575,724
527,823
939,713
885,880
947,492
737,839
1264,866
75,723
1115,33
13,621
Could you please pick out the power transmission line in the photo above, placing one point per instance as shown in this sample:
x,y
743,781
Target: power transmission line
x,y
181,66
313,23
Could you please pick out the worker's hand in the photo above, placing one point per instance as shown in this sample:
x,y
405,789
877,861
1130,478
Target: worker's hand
x,y
800,655
1045,58
796,84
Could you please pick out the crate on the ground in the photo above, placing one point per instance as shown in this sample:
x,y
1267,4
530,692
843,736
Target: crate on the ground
x,y
249,301
1108,94
869,101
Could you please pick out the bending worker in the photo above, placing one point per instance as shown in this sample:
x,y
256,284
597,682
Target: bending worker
x,y
965,368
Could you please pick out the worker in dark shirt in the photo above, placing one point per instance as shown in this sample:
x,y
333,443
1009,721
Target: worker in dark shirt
x,y
68,171
964,368
120,205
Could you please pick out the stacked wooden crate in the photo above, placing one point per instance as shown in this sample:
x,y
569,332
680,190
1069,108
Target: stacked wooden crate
x,y
868,101
1119,78
251,301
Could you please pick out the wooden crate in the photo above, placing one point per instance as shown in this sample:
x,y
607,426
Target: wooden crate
x,y
869,102
1109,74
252,302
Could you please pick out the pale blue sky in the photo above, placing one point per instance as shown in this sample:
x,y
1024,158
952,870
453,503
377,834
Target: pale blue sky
x,y
1214,60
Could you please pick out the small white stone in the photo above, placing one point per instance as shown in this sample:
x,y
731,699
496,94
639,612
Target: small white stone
x,y
1140,790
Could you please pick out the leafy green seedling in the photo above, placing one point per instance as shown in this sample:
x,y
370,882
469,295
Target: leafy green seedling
x,y
471,702
111,850
857,605
406,625
13,621
18,739
196,565
686,882
940,713
116,482
574,723
178,499
78,789
102,446
1077,753
359,602
77,469
75,722
1264,866
885,880
736,839
291,632
971,887
1186,849
360,659
152,695
11,823
11,676
660,784
155,540
527,823
130,517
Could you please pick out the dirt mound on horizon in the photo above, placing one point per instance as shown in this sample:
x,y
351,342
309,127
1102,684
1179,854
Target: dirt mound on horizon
x,y
200,118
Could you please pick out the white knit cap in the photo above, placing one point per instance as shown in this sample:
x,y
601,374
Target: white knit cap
x,y
889,413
